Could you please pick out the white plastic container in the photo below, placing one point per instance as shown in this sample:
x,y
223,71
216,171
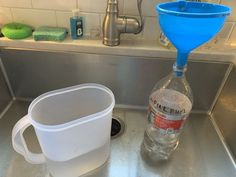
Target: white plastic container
x,y
73,129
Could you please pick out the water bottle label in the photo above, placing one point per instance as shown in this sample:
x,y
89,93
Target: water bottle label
x,y
170,126
168,110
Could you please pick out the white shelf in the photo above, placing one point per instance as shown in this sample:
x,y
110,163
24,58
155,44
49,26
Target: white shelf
x,y
126,48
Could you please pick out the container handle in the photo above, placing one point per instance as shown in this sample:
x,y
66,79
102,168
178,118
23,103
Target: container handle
x,y
19,144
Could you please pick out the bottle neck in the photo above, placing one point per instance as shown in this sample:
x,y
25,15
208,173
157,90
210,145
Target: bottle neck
x,y
179,71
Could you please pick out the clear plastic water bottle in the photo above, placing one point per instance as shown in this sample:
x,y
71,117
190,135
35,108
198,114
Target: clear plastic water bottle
x,y
169,106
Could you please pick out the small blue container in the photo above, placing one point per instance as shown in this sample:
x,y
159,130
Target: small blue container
x,y
76,25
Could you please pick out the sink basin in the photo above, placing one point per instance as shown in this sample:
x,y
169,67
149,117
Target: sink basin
x,y
207,144
196,155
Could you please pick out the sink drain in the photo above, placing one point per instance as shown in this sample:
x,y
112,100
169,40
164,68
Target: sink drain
x,y
117,127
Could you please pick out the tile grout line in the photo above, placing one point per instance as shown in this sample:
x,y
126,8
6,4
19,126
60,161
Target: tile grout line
x,y
123,6
57,10
100,23
67,10
55,13
31,4
12,17
77,4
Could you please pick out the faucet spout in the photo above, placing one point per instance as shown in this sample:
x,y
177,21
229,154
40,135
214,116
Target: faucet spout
x,y
114,25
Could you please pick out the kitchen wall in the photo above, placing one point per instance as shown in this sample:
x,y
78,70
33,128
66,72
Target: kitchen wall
x,y
57,13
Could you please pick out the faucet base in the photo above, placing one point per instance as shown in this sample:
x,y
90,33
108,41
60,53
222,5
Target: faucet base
x,y
111,42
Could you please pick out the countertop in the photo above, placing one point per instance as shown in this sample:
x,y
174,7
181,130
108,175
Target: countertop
x,y
200,153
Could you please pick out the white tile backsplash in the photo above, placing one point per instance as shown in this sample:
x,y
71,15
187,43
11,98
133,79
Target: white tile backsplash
x,y
148,7
63,19
16,3
151,29
34,17
58,13
129,7
54,4
95,6
5,15
91,22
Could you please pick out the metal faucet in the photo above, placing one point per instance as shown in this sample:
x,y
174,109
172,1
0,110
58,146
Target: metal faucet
x,y
114,25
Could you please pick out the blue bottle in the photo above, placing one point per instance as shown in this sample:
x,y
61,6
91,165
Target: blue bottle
x,y
76,25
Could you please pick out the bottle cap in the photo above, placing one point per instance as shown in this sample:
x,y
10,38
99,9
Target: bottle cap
x,y
75,12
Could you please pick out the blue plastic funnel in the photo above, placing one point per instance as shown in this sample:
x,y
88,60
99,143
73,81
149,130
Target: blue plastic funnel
x,y
189,24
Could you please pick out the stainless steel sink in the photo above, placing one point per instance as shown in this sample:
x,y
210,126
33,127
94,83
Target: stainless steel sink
x,y
207,146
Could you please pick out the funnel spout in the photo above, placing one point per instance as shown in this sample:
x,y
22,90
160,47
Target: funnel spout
x,y
182,58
